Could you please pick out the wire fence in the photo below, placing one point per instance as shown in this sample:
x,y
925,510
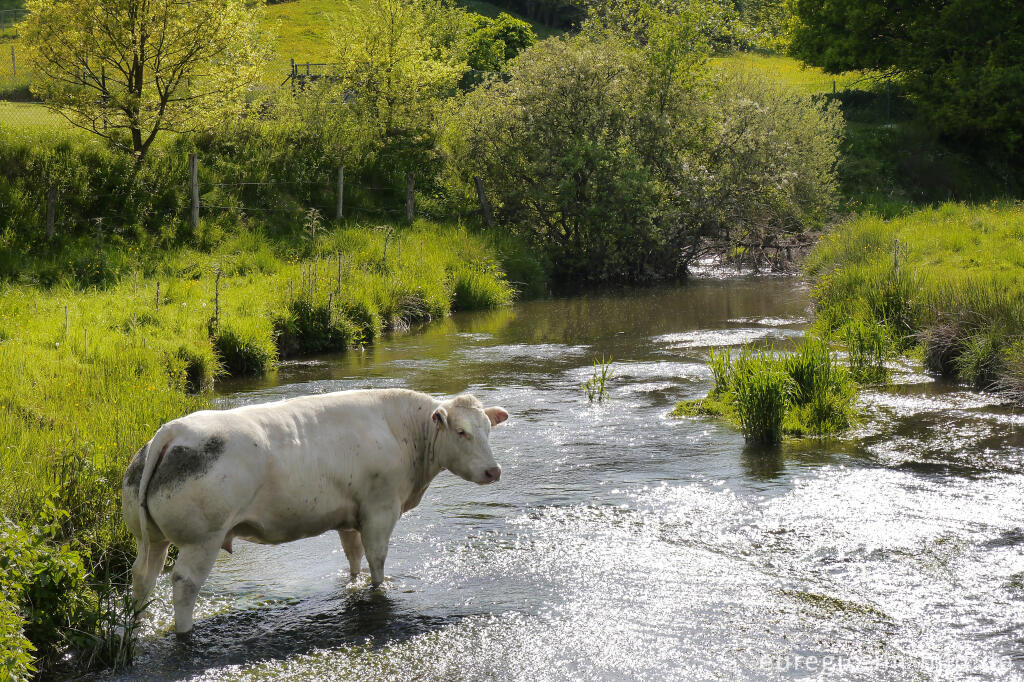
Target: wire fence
x,y
298,202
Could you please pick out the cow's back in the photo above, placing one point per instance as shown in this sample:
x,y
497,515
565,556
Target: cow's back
x,y
282,471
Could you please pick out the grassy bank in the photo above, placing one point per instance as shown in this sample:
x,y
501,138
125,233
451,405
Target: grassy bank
x,y
86,376
949,279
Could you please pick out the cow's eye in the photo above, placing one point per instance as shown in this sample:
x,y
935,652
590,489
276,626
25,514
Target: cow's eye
x,y
462,432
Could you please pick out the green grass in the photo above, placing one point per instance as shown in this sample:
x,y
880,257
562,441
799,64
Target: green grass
x,y
768,394
809,80
29,116
950,278
88,375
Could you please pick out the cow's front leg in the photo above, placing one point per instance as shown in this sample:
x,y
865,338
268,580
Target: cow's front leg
x,y
376,533
353,546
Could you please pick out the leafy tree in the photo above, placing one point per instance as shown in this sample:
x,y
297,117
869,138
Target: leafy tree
x,y
960,58
497,41
127,70
399,60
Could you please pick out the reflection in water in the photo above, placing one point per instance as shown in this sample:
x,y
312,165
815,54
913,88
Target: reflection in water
x,y
624,544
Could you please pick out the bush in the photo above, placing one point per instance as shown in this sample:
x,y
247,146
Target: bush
x,y
16,651
619,160
46,580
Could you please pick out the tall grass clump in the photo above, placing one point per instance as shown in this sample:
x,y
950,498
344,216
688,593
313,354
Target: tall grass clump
x,y
769,394
948,279
761,390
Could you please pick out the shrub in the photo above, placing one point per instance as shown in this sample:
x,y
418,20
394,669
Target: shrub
x,y
46,580
16,651
619,160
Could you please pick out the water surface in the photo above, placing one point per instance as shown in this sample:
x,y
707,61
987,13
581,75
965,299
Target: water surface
x,y
623,544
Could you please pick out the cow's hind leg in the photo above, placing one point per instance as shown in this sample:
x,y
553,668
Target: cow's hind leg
x,y
190,572
146,569
353,546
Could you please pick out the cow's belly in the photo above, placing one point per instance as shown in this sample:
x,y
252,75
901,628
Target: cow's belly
x,y
274,519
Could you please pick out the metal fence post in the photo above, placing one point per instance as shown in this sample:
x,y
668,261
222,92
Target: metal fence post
x,y
51,211
410,197
193,173
14,64
341,192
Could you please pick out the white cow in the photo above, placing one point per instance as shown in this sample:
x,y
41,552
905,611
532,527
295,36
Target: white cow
x,y
352,461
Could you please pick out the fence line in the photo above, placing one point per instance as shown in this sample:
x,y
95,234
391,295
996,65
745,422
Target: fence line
x,y
197,203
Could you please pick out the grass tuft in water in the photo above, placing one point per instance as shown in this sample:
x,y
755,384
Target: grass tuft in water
x,y
596,386
769,394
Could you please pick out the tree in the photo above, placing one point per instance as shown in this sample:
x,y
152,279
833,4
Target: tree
x,y
127,70
960,58
497,41
398,61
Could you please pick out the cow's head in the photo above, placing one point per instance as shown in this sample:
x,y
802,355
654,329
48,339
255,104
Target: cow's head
x,y
461,445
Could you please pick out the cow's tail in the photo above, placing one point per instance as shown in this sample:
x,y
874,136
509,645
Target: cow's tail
x,y
155,450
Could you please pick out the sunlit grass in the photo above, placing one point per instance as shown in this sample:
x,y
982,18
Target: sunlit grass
x,y
769,394
791,72
951,277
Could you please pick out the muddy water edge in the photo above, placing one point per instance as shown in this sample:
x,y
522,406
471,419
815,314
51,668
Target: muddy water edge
x,y
624,544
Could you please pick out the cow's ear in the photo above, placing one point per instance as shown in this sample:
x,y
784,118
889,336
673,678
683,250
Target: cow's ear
x,y
440,417
496,415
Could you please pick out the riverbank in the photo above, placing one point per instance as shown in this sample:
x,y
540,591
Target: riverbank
x,y
945,280
87,375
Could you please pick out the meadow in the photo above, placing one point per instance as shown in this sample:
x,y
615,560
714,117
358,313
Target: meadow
x,y
88,374
949,279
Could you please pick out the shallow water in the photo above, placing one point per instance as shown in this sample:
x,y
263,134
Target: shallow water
x,y
623,544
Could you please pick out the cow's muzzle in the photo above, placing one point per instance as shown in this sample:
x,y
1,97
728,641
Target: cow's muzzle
x,y
491,475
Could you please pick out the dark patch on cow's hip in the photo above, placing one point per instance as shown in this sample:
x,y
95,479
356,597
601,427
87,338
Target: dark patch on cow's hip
x,y
134,473
213,446
182,463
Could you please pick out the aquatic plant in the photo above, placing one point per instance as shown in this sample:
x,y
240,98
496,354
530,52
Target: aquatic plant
x,y
868,347
769,394
761,390
595,386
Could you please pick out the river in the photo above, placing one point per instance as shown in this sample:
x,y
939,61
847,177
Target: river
x,y
623,544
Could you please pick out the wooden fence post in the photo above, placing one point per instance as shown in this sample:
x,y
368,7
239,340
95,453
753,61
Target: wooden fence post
x,y
51,211
193,177
14,64
341,192
410,197
485,207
